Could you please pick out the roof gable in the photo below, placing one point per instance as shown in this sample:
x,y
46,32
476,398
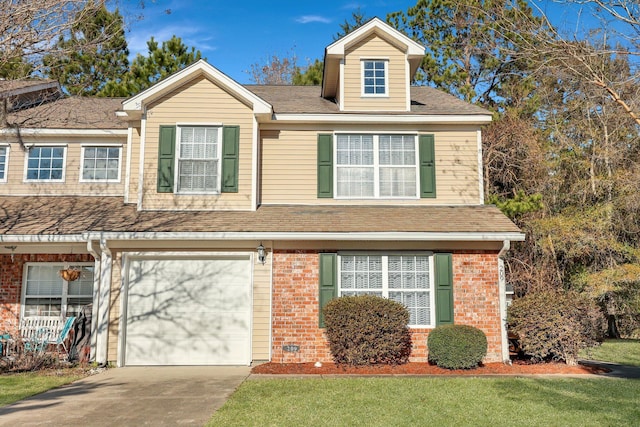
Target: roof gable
x,y
383,30
133,106
336,51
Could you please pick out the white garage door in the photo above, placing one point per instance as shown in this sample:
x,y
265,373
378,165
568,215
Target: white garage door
x,y
188,312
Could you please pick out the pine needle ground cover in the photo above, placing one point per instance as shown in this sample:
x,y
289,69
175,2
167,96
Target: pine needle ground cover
x,y
432,401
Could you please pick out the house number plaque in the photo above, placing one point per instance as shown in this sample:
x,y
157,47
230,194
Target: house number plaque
x,y
291,348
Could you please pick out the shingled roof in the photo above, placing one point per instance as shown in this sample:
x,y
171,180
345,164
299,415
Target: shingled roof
x,y
76,215
307,100
72,113
16,87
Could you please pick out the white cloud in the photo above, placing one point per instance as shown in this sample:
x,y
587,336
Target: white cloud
x,y
191,35
306,19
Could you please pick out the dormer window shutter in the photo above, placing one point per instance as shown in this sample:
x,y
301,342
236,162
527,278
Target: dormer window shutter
x,y
325,166
230,156
427,167
166,158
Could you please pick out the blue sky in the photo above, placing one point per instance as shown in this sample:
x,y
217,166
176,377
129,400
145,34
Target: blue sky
x,y
234,35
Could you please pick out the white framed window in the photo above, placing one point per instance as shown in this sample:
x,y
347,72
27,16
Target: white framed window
x,y
404,277
4,162
45,293
100,163
374,77
45,163
198,159
376,166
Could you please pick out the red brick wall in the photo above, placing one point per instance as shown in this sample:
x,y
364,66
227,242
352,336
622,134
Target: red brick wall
x,y
295,305
11,282
476,296
295,308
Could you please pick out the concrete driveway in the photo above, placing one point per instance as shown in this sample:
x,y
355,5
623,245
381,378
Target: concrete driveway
x,y
136,396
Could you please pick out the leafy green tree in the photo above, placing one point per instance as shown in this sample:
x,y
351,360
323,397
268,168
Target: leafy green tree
x,y
467,53
310,75
95,52
15,67
358,19
160,62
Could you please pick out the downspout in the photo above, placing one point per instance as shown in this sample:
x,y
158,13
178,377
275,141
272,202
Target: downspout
x,y
96,294
102,335
502,289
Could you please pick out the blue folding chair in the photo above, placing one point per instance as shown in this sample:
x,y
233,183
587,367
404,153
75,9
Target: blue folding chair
x,y
62,337
38,343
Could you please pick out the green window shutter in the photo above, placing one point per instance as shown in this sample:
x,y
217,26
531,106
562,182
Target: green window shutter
x,y
325,166
444,289
328,281
427,167
230,155
166,158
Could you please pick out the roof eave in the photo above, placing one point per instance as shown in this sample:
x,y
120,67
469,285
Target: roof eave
x,y
479,119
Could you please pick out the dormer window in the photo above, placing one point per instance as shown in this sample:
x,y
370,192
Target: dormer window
x,y
374,77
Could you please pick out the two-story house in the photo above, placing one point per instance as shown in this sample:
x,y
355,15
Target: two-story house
x,y
213,220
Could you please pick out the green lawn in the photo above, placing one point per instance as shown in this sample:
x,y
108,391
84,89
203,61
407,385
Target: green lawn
x,y
425,401
623,352
15,387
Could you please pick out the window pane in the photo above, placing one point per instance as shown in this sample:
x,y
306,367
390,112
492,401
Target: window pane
x,y
45,163
361,272
43,280
3,161
197,164
42,307
407,281
74,305
417,304
356,182
357,172
84,285
408,272
373,75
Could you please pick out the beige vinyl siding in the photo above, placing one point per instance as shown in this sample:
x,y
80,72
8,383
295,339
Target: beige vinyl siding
x,y
199,101
374,47
134,165
260,334
71,186
114,307
289,162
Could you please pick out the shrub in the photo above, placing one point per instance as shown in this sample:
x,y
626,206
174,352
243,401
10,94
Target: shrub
x,y
555,325
457,346
367,330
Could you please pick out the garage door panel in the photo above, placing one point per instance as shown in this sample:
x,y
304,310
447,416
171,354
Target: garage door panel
x,y
182,311
225,350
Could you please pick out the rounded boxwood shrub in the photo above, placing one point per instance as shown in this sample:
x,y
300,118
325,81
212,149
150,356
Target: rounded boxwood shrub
x,y
555,325
367,330
457,346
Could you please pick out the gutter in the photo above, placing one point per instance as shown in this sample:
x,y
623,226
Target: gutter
x,y
315,236
502,290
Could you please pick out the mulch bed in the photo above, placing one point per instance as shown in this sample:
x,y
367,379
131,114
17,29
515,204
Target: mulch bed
x,y
414,368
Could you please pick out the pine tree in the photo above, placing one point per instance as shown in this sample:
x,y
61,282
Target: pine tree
x,y
95,52
160,62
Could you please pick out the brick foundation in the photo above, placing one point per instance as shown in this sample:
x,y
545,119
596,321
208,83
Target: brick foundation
x,y
295,305
11,282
